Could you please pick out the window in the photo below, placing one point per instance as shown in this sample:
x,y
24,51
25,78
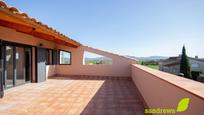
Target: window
x,y
93,59
65,57
195,65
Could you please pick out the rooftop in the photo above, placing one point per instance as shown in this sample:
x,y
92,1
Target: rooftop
x,y
74,95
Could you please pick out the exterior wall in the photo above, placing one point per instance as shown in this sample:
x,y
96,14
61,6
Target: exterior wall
x,y
11,35
33,78
175,69
17,37
121,66
163,90
50,70
199,63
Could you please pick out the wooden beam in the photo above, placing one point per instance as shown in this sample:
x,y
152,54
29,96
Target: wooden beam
x,y
62,42
17,27
42,35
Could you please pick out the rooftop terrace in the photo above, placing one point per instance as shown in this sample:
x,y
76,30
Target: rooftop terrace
x,y
74,95
120,88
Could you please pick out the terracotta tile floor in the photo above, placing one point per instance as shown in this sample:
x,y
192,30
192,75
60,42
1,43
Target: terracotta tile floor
x,y
81,95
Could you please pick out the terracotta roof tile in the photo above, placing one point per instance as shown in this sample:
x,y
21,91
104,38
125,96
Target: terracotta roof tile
x,y
3,5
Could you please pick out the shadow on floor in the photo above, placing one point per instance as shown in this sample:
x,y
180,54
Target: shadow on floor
x,y
117,96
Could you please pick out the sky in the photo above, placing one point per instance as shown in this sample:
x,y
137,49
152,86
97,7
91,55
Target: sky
x,y
127,27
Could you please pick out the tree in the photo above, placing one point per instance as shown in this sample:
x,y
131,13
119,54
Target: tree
x,y
184,64
142,63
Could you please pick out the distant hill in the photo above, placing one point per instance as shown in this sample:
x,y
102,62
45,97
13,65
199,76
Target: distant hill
x,y
148,58
132,57
98,60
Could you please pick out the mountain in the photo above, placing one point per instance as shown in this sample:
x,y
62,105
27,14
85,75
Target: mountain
x,y
148,58
132,57
97,58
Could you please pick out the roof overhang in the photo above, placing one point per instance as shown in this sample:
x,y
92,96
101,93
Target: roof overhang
x,y
10,17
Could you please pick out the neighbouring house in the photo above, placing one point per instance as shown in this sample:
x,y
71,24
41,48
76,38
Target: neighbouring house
x,y
172,65
45,72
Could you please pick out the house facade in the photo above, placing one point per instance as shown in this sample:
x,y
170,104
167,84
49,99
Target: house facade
x,y
172,65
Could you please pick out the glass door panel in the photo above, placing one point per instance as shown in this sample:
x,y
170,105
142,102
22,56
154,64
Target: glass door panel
x,y
9,66
28,64
20,65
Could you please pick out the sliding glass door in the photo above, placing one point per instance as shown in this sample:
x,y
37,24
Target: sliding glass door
x,y
17,61
9,66
20,65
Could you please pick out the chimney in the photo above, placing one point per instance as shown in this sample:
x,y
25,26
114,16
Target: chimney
x,y
196,57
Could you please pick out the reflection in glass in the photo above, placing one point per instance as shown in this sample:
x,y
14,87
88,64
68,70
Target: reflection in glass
x,y
9,66
20,66
65,57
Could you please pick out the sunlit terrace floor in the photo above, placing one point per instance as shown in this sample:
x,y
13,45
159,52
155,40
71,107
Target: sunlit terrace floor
x,y
74,95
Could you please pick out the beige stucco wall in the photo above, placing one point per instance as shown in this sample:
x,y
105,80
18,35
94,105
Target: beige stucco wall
x,y
163,90
33,79
18,37
121,66
12,35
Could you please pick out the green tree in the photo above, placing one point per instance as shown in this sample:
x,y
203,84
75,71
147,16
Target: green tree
x,y
184,64
142,63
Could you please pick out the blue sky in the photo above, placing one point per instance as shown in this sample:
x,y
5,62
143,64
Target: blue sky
x,y
126,27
